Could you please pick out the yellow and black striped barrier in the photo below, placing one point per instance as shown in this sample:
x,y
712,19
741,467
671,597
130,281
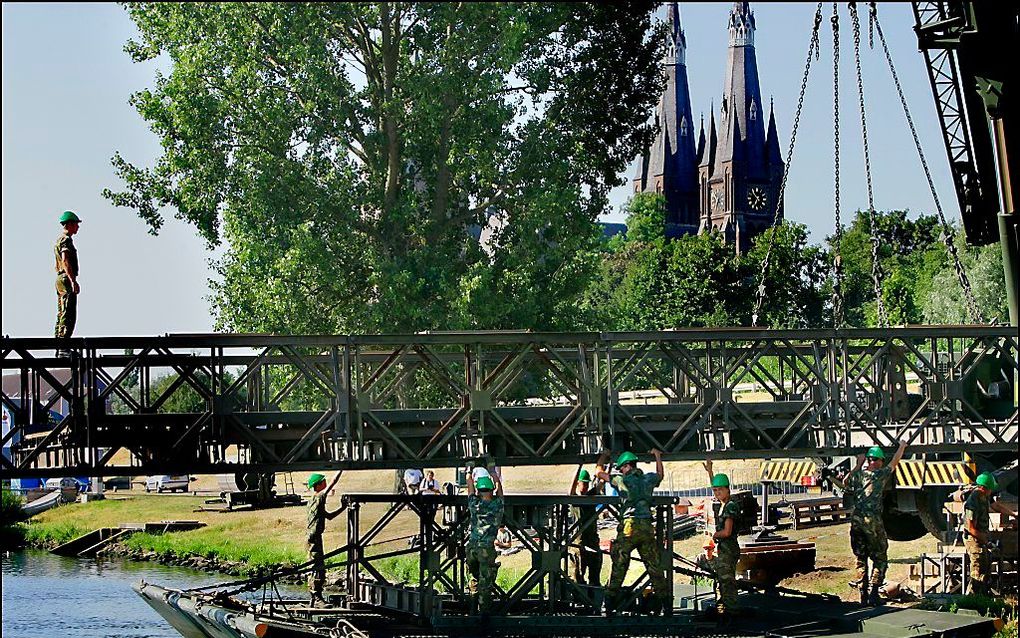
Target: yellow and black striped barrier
x,y
918,473
791,470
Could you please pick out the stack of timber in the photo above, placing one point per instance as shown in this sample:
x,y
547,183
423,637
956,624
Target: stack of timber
x,y
818,512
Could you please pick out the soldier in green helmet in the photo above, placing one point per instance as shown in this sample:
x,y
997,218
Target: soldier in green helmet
x,y
977,504
635,530
485,506
867,484
727,548
587,557
66,263
316,524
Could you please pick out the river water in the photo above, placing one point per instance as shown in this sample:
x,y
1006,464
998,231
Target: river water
x,y
47,596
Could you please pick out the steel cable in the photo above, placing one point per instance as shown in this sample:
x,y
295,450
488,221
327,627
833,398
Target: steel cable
x,y
876,273
947,237
811,54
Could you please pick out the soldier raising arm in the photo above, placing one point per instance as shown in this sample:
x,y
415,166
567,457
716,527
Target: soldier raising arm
x,y
868,539
317,517
485,506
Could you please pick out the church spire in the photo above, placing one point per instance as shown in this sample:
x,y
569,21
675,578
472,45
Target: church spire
x,y
741,25
742,95
773,155
671,166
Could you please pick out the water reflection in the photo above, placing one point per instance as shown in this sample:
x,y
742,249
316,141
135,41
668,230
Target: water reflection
x,y
46,596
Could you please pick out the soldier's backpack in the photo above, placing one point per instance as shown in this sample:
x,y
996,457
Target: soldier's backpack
x,y
749,510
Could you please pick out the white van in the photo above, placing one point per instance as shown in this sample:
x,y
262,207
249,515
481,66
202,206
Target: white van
x,y
167,483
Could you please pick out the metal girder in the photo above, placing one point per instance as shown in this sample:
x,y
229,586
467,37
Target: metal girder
x,y
228,403
440,595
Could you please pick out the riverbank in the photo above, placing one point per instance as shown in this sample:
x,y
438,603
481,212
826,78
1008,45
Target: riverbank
x,y
245,543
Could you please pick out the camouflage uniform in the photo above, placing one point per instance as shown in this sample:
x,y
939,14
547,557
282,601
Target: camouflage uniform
x,y
315,525
588,558
975,510
67,300
867,531
635,531
727,553
486,519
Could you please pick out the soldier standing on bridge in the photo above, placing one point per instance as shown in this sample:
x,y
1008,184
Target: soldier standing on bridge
x,y
485,505
66,258
867,486
317,517
977,503
727,548
588,556
635,530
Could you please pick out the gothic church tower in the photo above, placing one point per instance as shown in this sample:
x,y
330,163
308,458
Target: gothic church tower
x,y
739,179
670,166
726,180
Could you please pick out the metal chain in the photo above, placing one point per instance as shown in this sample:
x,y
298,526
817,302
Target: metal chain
x,y
876,273
837,260
947,236
811,54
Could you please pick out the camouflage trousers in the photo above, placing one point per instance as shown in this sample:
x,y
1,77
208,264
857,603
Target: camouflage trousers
x,y
482,565
979,566
725,567
587,562
868,540
640,535
67,307
317,577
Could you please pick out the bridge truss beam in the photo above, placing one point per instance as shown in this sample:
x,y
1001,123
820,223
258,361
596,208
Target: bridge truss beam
x,y
229,403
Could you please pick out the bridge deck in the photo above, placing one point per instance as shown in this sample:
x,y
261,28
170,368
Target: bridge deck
x,y
227,402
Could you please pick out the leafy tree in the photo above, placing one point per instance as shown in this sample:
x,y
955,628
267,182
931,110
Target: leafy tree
x,y
344,151
795,293
646,218
943,301
909,252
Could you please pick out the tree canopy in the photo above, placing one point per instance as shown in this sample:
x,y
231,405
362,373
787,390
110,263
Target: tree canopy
x,y
347,152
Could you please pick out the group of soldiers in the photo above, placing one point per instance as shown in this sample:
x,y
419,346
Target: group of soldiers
x,y
865,484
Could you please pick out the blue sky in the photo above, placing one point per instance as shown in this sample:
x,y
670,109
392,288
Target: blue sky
x,y
66,82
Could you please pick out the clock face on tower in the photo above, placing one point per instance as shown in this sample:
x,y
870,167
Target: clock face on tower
x,y
757,198
718,200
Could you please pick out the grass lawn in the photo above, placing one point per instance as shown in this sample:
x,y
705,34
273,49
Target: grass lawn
x,y
267,537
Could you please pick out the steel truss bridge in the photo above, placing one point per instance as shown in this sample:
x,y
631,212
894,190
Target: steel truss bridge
x,y
215,403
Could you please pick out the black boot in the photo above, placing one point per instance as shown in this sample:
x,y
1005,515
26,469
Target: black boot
x,y
873,599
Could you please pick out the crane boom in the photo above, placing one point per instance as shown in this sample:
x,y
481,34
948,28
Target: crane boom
x,y
966,48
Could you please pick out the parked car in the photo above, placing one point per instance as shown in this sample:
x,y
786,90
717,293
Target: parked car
x,y
117,483
167,483
66,483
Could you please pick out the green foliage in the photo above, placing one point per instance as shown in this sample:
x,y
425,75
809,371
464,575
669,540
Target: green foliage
x,y
232,543
646,218
919,280
53,534
11,511
344,151
646,282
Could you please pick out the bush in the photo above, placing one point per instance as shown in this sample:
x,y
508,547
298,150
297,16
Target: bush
x,y
11,510
53,534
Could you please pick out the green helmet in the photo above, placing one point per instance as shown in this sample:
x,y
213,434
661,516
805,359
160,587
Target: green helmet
x,y
484,483
625,458
987,481
315,479
69,216
583,476
720,480
875,452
